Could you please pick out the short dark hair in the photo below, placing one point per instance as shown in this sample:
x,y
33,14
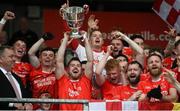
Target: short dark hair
x,y
122,55
13,41
47,49
154,54
45,92
157,51
134,36
136,62
74,59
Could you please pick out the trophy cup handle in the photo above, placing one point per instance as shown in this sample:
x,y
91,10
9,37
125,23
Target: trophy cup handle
x,y
61,12
86,8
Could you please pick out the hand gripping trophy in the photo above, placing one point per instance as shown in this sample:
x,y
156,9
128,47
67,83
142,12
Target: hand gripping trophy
x,y
74,17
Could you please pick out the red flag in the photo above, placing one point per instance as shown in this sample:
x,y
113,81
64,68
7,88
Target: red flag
x,y
169,11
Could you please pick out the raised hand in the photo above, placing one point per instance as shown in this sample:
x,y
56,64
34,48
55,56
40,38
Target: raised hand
x,y
92,22
123,67
110,49
63,7
171,32
8,15
47,36
84,35
67,36
169,76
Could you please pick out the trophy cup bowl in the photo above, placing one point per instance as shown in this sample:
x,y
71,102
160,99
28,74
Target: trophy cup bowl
x,y
74,17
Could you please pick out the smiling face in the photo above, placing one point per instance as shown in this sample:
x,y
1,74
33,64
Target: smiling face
x,y
19,48
155,65
118,45
96,39
47,58
75,69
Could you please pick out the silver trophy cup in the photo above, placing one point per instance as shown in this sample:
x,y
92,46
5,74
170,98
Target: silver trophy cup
x,y
74,17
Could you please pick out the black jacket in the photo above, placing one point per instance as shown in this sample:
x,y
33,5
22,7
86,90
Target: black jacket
x,y
7,90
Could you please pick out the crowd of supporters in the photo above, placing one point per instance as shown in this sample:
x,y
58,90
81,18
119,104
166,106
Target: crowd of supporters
x,y
86,69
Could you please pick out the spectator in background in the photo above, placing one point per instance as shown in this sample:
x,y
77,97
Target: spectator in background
x,y
25,32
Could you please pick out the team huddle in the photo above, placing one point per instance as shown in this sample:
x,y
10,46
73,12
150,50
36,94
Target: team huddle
x,y
121,70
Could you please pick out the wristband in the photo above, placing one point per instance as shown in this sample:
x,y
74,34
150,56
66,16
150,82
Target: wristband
x,y
3,21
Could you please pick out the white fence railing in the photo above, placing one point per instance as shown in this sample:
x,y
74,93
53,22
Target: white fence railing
x,y
52,101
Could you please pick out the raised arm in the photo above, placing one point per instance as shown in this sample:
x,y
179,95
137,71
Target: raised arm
x,y
92,24
135,46
60,70
8,15
100,78
89,64
169,75
140,52
32,51
170,46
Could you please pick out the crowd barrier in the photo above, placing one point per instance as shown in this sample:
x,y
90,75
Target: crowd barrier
x,y
94,105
